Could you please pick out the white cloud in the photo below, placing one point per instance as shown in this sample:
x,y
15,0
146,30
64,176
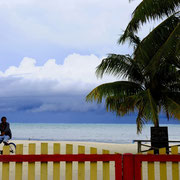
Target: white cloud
x,y
77,72
57,87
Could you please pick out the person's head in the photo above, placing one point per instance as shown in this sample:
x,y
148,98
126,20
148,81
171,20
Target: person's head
x,y
3,119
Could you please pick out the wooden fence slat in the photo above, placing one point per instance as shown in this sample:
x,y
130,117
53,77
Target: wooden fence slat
x,y
69,150
106,170
128,168
31,165
93,165
151,173
44,165
141,166
81,165
56,165
5,166
163,169
175,167
18,167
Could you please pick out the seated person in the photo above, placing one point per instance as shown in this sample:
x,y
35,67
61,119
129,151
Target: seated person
x,y
5,131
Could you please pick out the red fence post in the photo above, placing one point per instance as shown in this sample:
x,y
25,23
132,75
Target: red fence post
x,y
118,167
137,165
128,166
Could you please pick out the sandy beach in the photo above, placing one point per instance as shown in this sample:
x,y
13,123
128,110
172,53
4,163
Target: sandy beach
x,y
113,148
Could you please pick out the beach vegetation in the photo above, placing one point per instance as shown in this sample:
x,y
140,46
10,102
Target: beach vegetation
x,y
147,11
149,78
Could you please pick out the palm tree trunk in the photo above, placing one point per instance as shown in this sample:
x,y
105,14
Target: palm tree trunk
x,y
156,123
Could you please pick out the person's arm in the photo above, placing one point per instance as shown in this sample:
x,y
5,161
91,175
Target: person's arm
x,y
2,133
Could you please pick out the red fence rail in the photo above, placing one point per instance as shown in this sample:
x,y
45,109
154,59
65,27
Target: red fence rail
x,y
127,166
117,158
132,163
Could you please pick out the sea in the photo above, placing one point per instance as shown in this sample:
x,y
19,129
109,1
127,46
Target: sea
x,y
106,133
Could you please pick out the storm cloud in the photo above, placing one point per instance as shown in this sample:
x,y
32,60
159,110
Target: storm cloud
x,y
50,87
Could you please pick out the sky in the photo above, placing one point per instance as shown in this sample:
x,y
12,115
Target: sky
x,y
49,51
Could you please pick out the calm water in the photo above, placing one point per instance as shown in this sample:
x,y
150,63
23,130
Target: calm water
x,y
112,133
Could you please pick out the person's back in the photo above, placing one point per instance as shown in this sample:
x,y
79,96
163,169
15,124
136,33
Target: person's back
x,y
5,131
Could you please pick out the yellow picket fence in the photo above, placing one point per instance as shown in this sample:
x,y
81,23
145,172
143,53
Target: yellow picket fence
x,y
55,170
161,170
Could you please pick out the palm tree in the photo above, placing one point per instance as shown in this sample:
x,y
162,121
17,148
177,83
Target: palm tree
x,y
149,10
151,76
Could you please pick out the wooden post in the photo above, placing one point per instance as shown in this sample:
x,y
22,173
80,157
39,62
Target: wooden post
x,y
18,167
93,165
56,165
5,166
175,167
69,150
163,169
44,170
106,170
81,165
151,174
139,147
31,165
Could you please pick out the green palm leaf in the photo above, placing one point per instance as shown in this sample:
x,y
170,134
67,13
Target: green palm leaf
x,y
149,10
119,88
166,53
140,120
173,107
167,32
120,66
152,109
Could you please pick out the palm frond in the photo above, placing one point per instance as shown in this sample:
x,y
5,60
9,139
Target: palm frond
x,y
126,105
140,120
114,64
148,110
149,10
178,50
133,39
153,111
120,66
168,76
121,105
166,53
119,88
155,39
174,88
173,108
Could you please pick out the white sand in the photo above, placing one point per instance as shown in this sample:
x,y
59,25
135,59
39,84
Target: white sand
x,y
113,148
119,148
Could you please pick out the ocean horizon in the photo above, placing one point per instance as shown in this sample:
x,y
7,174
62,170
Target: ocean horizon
x,y
86,132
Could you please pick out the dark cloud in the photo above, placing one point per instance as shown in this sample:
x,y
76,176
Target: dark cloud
x,y
55,103
51,87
